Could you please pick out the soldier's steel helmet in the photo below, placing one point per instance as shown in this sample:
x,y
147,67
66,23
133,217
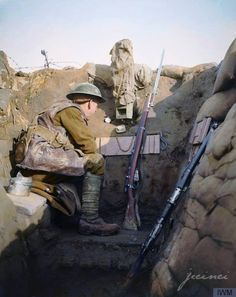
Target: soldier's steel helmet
x,y
86,89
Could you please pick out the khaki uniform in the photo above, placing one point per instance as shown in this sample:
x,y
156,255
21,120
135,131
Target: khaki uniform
x,y
80,135
59,152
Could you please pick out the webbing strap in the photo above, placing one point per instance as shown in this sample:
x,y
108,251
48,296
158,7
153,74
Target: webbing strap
x,y
56,139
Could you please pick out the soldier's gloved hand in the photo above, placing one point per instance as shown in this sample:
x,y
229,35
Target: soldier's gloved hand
x,y
95,163
94,158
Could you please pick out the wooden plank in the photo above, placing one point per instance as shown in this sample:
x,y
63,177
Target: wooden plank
x,y
123,145
200,131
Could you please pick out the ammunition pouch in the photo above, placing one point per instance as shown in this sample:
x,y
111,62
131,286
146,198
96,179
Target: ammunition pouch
x,y
63,196
67,197
20,147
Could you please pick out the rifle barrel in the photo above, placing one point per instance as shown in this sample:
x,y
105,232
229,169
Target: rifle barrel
x,y
171,202
131,221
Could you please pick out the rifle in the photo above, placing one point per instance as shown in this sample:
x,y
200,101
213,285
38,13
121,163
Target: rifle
x,y
132,220
182,183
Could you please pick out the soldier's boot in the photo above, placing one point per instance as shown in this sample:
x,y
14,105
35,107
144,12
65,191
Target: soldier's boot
x,y
90,222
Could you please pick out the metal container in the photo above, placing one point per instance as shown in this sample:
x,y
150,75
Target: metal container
x,y
120,129
20,185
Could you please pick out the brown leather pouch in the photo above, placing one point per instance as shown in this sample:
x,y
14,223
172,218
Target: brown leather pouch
x,y
20,147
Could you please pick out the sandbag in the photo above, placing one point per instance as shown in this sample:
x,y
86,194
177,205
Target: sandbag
x,y
173,71
218,105
180,72
222,142
143,75
226,75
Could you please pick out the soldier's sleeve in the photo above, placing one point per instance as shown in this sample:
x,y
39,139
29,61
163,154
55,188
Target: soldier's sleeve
x,y
70,118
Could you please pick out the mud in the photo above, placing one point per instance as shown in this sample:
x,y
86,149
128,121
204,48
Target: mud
x,y
88,283
72,265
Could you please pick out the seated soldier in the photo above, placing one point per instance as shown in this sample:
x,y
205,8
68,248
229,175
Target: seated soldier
x,y
69,117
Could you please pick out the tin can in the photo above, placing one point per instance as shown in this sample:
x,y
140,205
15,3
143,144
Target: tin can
x,y
20,185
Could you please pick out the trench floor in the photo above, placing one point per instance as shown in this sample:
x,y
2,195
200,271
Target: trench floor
x,y
73,265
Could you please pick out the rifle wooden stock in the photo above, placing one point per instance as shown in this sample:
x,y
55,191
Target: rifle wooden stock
x,y
171,202
132,221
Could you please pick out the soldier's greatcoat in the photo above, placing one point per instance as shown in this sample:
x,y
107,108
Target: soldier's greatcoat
x,y
59,141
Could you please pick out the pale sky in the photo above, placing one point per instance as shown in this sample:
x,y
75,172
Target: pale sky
x,y
80,31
